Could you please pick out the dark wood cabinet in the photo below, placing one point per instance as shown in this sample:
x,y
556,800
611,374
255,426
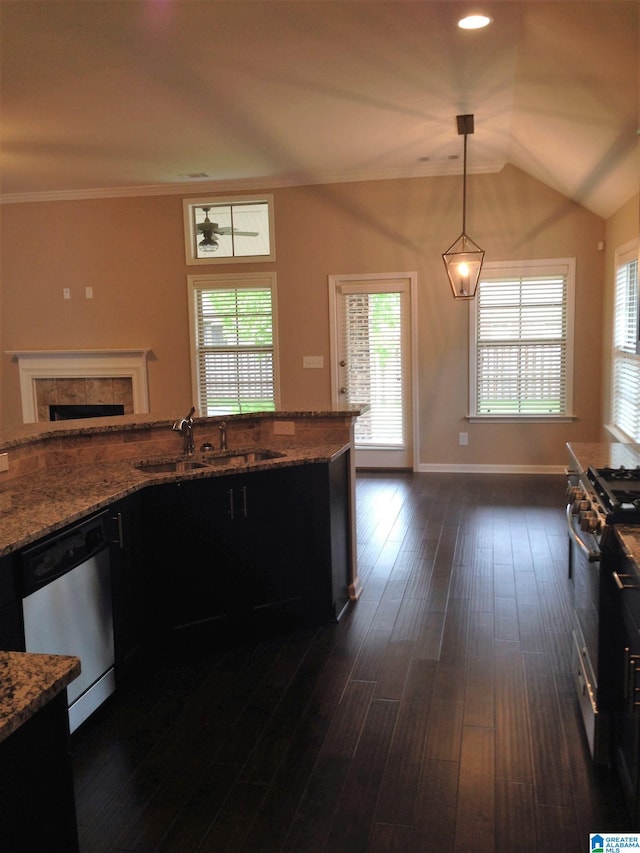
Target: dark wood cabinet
x,y
37,805
11,623
130,614
190,556
249,551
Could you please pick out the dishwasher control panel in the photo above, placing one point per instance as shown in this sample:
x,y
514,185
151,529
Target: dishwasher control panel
x,y
61,552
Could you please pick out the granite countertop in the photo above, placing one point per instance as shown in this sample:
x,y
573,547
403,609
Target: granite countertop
x,y
12,436
45,501
28,682
603,455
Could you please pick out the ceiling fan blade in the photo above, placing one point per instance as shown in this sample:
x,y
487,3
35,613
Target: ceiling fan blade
x,y
236,233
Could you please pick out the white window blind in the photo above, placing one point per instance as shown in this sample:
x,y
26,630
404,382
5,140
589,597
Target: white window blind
x,y
625,395
233,356
372,335
521,341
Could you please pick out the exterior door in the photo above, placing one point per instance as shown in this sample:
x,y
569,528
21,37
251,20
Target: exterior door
x,y
372,358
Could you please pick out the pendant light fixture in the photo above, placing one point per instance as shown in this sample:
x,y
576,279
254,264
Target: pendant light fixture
x,y
463,259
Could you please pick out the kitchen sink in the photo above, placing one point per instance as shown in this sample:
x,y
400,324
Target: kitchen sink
x,y
247,457
176,466
225,460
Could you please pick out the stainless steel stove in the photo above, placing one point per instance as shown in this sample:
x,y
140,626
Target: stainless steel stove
x,y
603,582
617,491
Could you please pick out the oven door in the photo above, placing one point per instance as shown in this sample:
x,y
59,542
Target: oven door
x,y
584,571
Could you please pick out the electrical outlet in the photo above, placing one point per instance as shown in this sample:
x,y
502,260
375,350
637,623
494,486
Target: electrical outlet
x,y
88,293
463,438
66,293
284,427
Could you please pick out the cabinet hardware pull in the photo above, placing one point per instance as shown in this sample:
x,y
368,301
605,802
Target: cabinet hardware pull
x,y
244,501
120,539
620,581
230,510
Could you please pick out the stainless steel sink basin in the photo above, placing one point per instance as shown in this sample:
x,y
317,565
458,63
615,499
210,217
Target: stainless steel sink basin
x,y
225,460
245,458
176,466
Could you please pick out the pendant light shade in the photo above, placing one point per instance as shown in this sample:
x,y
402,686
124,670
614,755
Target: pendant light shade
x,y
463,259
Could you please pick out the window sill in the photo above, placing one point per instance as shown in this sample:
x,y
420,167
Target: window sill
x,y
617,434
518,419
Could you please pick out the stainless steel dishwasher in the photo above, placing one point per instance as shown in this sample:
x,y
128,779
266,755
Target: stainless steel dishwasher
x,y
67,607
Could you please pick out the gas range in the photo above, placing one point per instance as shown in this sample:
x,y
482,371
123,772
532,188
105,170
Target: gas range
x,y
617,491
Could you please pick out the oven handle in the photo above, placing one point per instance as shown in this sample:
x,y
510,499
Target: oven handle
x,y
593,556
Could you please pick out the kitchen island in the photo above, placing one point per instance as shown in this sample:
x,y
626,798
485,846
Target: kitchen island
x,y
59,472
258,532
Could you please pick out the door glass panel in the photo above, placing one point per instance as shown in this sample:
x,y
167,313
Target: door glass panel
x,y
372,340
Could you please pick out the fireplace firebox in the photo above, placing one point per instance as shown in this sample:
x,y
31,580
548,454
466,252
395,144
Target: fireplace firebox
x,y
85,410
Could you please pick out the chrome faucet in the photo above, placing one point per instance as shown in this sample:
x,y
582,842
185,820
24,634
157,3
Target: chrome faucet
x,y
222,426
185,426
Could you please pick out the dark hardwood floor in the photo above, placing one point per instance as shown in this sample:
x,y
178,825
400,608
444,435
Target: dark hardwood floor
x,y
438,715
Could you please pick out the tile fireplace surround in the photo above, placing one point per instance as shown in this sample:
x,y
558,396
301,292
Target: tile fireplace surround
x,y
81,377
83,391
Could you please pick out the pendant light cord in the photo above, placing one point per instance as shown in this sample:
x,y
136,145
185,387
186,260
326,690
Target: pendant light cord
x,y
464,188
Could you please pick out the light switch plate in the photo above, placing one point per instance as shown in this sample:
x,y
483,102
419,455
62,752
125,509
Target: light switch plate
x,y
313,361
4,461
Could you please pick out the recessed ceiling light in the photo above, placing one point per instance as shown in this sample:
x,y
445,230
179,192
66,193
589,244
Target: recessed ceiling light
x,y
474,22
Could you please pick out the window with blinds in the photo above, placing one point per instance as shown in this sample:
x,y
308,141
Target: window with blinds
x,y
522,323
233,344
625,391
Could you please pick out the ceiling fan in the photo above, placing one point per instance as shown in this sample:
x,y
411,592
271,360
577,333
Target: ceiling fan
x,y
211,231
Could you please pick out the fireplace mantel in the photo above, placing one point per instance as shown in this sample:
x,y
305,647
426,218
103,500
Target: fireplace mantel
x,y
80,364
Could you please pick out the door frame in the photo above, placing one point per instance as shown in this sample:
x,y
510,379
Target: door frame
x,y
334,281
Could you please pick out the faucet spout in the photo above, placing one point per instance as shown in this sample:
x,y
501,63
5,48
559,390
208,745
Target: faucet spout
x,y
185,426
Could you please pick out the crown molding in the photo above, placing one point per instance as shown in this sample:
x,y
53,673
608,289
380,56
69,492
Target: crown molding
x,y
427,169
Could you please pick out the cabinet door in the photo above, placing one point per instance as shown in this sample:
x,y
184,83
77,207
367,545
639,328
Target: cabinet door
x,y
274,534
189,559
11,624
300,529
127,584
328,536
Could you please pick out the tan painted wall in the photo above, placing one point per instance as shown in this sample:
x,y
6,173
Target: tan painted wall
x,y
622,228
131,251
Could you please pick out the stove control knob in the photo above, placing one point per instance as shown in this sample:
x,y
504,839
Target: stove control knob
x,y
580,506
589,521
574,493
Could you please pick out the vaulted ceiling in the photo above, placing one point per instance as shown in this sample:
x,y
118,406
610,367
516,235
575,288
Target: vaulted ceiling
x,y
147,96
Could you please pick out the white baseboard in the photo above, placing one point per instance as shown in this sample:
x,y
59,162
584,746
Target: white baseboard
x,y
446,467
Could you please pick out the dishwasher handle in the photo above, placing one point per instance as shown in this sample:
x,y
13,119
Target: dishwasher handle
x,y
58,554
